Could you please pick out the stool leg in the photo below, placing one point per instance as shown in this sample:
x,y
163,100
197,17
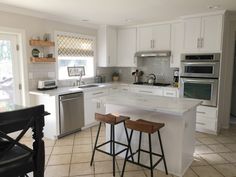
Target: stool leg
x,y
127,152
127,136
95,145
111,136
139,146
162,151
150,151
113,148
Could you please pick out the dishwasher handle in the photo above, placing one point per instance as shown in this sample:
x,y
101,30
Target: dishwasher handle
x,y
70,99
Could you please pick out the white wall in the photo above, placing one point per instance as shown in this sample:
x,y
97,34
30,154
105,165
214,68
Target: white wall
x,y
37,26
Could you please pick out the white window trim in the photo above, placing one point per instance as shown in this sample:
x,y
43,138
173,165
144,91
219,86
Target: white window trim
x,y
56,54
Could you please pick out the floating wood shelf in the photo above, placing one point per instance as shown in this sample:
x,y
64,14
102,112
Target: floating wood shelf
x,y
42,60
41,43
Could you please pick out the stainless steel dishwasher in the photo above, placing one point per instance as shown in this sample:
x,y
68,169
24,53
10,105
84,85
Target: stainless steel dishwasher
x,y
71,110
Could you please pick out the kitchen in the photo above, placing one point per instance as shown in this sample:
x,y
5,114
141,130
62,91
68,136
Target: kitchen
x,y
176,47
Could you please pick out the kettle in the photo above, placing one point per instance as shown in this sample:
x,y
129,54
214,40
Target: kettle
x,y
151,79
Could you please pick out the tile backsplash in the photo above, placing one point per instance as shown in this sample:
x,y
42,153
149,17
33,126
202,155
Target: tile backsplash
x,y
158,66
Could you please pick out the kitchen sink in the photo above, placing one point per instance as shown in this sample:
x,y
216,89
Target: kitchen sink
x,y
88,86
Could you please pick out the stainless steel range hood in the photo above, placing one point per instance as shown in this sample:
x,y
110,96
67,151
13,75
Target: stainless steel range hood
x,y
157,53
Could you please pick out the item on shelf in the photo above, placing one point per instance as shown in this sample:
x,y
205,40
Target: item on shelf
x,y
50,55
41,54
35,37
115,76
47,37
35,52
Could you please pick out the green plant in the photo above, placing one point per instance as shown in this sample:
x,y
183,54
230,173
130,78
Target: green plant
x,y
115,74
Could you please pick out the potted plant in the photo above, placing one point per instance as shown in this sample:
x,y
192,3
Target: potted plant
x,y
115,76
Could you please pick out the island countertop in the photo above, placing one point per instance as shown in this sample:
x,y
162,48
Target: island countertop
x,y
169,105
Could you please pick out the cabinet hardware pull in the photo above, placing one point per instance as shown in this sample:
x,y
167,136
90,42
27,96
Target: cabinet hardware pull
x,y
153,44
202,42
169,93
98,93
69,99
144,91
200,123
198,43
201,112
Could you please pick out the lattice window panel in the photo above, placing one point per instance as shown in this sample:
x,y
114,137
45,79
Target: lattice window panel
x,y
75,45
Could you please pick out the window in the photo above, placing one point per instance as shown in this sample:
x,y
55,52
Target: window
x,y
75,50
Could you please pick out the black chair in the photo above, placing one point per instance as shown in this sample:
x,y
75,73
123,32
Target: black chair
x,y
17,159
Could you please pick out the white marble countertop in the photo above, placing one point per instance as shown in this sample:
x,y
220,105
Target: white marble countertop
x,y
174,106
67,90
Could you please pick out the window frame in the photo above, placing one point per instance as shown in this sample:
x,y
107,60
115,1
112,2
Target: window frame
x,y
56,53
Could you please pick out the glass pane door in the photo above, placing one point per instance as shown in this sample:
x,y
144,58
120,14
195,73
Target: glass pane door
x,y
9,76
198,90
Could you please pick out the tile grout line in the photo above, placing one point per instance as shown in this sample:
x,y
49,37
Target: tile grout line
x,y
71,153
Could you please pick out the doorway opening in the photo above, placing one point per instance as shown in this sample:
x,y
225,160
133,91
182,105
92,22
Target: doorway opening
x,y
10,70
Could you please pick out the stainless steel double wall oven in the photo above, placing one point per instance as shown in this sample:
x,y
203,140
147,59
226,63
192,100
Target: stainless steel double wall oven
x,y
199,77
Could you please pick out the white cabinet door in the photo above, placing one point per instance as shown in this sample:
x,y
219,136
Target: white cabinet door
x,y
126,47
107,46
112,46
91,107
211,33
161,37
192,32
177,35
145,38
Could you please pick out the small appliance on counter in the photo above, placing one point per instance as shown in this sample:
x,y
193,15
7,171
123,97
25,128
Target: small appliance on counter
x,y
137,75
99,79
151,79
47,84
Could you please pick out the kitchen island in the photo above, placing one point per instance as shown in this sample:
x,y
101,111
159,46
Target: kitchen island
x,y
179,116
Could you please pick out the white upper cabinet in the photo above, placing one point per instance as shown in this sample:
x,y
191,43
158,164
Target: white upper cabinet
x,y
154,37
161,37
145,38
203,34
126,47
107,46
192,32
211,33
177,35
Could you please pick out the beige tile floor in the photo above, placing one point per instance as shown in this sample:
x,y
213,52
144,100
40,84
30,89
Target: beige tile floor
x,y
215,156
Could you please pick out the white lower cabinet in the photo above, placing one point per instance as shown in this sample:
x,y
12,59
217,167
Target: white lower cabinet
x,y
170,92
91,107
206,120
148,91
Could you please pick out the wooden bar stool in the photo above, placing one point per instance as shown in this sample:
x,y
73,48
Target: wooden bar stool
x,y
112,120
143,126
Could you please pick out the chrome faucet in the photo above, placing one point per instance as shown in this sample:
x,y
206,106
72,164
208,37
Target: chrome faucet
x,y
79,81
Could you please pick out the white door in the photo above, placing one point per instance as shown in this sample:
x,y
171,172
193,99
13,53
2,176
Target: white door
x,y
10,91
192,32
211,33
126,47
161,37
145,38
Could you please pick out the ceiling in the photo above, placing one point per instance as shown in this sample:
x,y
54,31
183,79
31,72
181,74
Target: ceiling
x,y
120,12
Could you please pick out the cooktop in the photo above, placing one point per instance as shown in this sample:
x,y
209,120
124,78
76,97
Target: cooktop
x,y
154,84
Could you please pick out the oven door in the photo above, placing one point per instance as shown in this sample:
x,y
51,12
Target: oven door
x,y
200,88
200,69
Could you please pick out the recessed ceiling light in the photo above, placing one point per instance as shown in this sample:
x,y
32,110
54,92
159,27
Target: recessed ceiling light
x,y
214,7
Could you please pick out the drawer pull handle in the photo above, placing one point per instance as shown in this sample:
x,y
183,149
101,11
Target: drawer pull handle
x,y
169,93
200,123
201,112
144,91
98,93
